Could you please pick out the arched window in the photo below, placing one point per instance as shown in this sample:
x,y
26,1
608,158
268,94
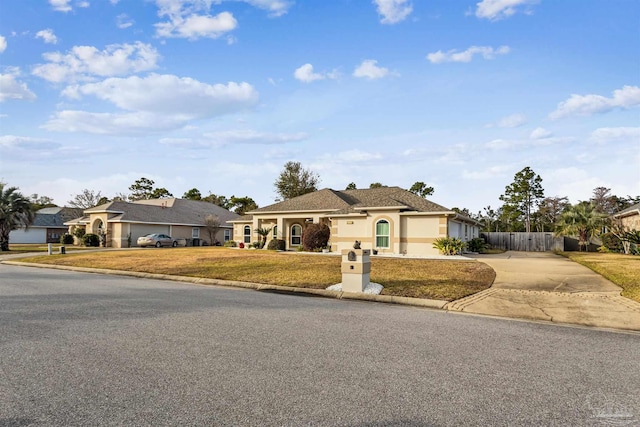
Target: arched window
x,y
247,234
296,235
275,231
382,234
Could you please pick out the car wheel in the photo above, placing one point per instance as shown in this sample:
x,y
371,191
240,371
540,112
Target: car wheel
x,y
175,244
158,244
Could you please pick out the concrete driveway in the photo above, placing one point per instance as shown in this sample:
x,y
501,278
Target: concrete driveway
x,y
545,286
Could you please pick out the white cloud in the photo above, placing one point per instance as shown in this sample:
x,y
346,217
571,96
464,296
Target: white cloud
x,y
86,62
124,21
274,7
512,121
487,52
61,5
619,134
586,105
393,11
253,137
23,142
495,10
3,44
47,35
306,74
540,133
11,88
82,4
153,103
190,19
369,70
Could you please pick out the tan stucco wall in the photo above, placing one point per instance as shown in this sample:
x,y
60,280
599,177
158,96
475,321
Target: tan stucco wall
x,y
631,222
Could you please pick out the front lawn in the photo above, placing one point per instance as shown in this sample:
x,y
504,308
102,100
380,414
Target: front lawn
x,y
419,278
623,270
21,248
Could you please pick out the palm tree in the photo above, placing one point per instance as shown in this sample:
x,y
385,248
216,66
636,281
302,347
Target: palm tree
x,y
264,233
15,212
582,220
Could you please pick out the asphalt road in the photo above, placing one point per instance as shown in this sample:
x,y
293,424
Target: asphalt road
x,y
88,349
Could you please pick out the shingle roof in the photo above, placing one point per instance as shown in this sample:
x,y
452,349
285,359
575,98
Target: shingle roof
x,y
54,217
350,201
630,209
164,211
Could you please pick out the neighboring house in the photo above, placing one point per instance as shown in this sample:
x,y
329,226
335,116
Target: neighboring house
x,y
124,222
47,227
389,219
630,217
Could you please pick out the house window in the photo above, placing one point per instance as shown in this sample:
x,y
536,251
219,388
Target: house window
x,y
195,233
227,235
382,234
247,234
296,235
275,231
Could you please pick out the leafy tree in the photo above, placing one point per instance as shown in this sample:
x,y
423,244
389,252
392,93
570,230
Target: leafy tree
x,y
463,211
242,204
160,193
582,220
86,199
489,218
421,189
193,194
264,233
221,201
603,201
550,210
351,186
212,225
15,212
39,202
143,189
523,194
295,181
376,185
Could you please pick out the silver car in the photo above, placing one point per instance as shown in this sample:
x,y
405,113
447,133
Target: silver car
x,y
157,240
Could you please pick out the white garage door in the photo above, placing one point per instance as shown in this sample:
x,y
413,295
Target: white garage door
x,y
139,230
32,235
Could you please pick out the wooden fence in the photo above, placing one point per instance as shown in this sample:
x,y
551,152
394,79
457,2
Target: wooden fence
x,y
527,242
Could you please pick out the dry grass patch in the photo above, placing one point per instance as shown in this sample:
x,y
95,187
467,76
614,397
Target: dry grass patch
x,y
623,270
20,248
420,278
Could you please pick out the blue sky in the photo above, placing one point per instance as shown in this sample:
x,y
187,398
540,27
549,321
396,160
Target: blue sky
x,y
219,94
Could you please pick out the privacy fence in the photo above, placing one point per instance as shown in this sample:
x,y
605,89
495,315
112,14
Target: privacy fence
x,y
528,242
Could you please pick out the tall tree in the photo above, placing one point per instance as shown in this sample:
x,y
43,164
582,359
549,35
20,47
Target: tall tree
x,y
212,225
582,220
241,205
351,186
294,181
143,188
550,210
39,202
193,194
221,201
603,201
15,212
421,189
523,194
86,199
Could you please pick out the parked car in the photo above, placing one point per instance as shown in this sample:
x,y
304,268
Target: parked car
x,y
157,240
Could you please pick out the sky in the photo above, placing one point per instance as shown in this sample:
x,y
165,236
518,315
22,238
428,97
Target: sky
x,y
220,94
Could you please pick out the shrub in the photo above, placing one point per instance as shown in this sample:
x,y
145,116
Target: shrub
x,y
230,244
449,245
79,232
277,245
256,245
241,245
477,244
315,236
611,242
66,239
91,239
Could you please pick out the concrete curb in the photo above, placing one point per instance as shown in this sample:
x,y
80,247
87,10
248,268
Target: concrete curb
x,y
389,299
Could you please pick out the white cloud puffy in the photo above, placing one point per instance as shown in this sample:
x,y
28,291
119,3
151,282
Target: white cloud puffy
x,y
453,55
47,36
306,74
3,44
540,133
511,121
87,62
11,88
153,103
190,19
369,70
586,105
618,134
61,5
274,7
393,11
495,10
124,21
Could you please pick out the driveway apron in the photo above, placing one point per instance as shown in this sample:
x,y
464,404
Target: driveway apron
x,y
545,286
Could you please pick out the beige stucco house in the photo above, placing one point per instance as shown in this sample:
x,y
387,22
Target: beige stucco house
x,y
390,220
629,217
123,222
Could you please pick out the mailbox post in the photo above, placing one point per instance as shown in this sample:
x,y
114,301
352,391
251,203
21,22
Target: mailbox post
x,y
356,269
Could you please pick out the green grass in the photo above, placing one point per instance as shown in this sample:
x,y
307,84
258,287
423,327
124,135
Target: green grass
x,y
420,278
623,270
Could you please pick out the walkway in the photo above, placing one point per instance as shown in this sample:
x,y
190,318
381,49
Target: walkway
x,y
545,286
